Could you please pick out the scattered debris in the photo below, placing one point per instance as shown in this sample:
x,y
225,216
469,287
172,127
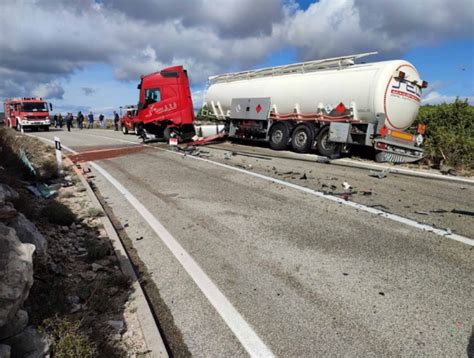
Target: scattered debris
x,y
139,238
346,186
438,211
366,192
43,190
463,212
381,293
303,177
227,155
422,213
378,174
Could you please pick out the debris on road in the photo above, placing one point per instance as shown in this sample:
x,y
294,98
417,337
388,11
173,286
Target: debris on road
x,y
463,212
422,213
379,174
228,155
346,186
303,177
366,192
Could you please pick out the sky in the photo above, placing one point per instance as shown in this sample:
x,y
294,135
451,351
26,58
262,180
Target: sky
x,y
89,54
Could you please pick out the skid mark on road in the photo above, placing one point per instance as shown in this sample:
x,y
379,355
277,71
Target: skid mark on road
x,y
241,329
393,217
400,219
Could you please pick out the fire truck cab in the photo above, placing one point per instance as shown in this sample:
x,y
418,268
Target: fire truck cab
x,y
26,113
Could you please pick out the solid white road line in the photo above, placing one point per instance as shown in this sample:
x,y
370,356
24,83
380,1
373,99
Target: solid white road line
x,y
441,232
397,218
242,330
394,217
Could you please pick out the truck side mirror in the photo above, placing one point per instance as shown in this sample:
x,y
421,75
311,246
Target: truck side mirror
x,y
50,107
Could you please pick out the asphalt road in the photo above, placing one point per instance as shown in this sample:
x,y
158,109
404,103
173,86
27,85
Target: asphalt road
x,y
310,276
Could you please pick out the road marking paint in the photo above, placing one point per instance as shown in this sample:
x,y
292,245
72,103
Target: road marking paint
x,y
393,217
242,330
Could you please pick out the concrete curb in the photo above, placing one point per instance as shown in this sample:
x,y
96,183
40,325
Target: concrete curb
x,y
151,334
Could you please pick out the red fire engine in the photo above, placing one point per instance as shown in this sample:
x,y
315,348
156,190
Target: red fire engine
x,y
27,113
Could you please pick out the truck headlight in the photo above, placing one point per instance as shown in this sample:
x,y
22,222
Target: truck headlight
x,y
419,139
25,118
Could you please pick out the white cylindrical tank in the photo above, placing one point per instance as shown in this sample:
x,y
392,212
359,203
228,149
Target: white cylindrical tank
x,y
373,87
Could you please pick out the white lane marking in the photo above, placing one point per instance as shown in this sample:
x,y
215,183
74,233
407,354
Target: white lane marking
x,y
394,217
242,330
403,171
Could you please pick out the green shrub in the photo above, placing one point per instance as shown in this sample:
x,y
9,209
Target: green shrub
x,y
449,136
97,249
67,340
94,212
57,213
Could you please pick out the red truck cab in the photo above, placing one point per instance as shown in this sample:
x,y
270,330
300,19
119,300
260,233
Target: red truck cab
x,y
27,113
165,105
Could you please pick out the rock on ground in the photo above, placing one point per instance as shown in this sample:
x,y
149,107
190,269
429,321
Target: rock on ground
x,y
7,193
28,233
29,343
15,326
16,272
5,351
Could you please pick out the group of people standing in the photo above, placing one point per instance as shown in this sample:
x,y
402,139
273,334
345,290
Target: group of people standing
x,y
58,120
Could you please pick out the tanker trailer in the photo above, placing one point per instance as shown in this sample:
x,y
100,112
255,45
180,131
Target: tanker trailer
x,y
324,105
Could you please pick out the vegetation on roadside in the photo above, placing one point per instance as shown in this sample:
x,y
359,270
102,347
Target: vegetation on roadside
x,y
29,155
449,139
66,338
58,213
205,115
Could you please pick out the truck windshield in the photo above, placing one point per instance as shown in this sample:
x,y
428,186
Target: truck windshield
x,y
34,107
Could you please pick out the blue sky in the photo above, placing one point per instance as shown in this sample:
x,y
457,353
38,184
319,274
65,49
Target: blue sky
x,y
95,61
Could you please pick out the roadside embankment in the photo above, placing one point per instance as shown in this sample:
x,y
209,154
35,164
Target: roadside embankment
x,y
62,289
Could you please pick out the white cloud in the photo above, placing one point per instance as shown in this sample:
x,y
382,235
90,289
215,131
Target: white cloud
x,y
207,37
49,90
434,97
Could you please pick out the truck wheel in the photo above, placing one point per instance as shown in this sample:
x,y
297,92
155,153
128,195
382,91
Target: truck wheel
x,y
124,129
324,146
167,134
279,136
46,128
302,138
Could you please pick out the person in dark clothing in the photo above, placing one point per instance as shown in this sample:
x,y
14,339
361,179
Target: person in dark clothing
x,y
69,119
90,117
101,121
116,120
55,121
80,119
60,122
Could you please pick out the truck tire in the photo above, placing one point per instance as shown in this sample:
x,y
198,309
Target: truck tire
x,y
124,129
302,138
279,136
325,147
46,128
